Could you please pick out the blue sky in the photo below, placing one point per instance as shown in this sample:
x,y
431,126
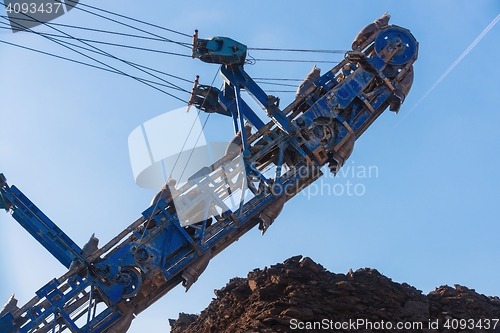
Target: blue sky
x,y
427,216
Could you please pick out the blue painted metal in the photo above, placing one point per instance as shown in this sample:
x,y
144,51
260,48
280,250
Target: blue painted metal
x,y
397,36
46,232
172,242
219,50
241,124
239,78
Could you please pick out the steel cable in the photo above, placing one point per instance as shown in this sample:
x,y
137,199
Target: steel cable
x,y
100,62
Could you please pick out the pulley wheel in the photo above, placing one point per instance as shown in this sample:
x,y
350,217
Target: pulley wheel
x,y
397,36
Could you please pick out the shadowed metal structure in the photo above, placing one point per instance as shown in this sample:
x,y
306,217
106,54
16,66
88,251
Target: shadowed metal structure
x,y
175,238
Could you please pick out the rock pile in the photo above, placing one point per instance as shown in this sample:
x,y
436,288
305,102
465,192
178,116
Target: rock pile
x,y
299,295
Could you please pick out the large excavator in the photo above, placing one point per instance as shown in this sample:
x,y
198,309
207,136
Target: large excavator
x,y
269,163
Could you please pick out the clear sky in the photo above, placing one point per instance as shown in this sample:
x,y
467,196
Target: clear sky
x,y
428,212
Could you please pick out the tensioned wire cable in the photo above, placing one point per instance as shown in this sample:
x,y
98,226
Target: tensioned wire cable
x,y
185,141
160,39
78,6
97,50
112,70
180,54
103,31
297,60
152,69
197,139
170,85
188,45
276,79
276,84
199,135
102,52
83,63
191,129
130,18
297,50
173,86
109,43
138,78
100,62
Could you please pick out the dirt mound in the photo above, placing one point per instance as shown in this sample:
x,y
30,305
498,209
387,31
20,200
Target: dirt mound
x,y
299,295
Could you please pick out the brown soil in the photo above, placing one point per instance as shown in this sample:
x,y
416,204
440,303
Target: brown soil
x,y
299,295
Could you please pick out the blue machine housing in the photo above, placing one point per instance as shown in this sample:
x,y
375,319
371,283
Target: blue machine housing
x,y
219,50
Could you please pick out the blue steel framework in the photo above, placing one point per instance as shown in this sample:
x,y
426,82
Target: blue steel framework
x,y
104,290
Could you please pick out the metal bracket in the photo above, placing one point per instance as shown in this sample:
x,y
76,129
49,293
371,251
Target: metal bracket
x,y
219,50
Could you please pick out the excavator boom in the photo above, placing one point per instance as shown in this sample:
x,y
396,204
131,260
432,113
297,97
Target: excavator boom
x,y
174,239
